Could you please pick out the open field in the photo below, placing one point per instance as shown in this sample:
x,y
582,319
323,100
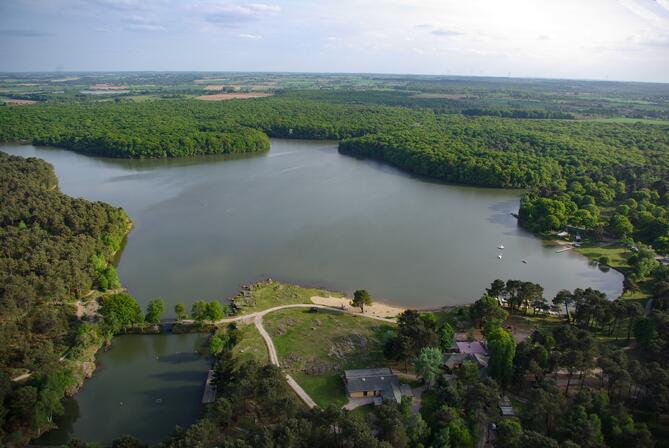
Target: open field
x,y
268,294
232,96
17,102
316,347
617,254
108,87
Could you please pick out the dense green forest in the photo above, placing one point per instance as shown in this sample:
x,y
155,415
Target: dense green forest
x,y
596,176
53,250
595,377
609,181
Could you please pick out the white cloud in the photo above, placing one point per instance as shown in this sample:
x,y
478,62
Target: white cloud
x,y
141,23
446,33
227,13
144,27
664,4
125,5
642,11
250,36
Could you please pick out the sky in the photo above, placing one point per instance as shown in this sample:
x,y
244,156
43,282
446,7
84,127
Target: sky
x,y
583,39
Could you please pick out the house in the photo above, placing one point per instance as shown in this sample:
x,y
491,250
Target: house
x,y
381,383
453,361
474,351
506,408
471,347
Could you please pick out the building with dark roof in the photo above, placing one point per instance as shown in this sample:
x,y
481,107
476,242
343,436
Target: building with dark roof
x,y
471,347
381,383
453,361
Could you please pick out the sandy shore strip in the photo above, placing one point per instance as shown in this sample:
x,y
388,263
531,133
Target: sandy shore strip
x,y
375,309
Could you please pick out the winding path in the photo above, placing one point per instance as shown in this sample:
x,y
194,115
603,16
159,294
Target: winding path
x,y
273,356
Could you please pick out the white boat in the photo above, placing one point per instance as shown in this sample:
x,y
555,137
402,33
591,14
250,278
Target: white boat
x,y
501,246
499,256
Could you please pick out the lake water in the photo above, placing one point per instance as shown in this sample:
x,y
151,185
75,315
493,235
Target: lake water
x,y
144,386
301,213
304,213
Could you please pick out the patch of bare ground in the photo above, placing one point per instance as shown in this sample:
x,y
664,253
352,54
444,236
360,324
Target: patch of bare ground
x,y
445,96
106,86
232,96
17,101
376,309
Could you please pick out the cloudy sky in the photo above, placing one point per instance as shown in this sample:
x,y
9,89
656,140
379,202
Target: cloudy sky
x,y
593,39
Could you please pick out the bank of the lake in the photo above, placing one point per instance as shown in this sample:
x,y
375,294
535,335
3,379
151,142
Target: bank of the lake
x,y
144,385
305,214
302,213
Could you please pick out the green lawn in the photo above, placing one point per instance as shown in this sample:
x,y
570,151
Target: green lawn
x,y
269,294
325,390
617,254
527,324
316,347
251,346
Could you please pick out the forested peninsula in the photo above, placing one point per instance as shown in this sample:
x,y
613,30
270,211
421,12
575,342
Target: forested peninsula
x,y
605,178
54,250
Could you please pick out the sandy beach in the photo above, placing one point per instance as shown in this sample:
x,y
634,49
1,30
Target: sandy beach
x,y
375,309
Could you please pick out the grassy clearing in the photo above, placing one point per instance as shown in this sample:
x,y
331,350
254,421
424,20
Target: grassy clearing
x,y
617,254
251,346
457,317
325,390
316,347
522,325
269,294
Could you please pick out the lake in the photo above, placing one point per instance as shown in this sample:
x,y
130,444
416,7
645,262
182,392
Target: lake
x,y
301,213
304,213
144,386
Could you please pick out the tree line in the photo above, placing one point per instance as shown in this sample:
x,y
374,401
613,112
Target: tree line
x,y
53,250
599,177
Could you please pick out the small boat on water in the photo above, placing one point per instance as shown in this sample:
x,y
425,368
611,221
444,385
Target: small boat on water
x,y
501,246
525,261
499,256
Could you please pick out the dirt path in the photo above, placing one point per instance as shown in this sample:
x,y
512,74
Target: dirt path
x,y
271,349
22,377
248,318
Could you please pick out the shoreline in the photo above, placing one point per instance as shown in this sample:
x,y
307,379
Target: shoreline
x,y
377,309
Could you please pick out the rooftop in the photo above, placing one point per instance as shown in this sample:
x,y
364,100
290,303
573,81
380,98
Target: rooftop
x,y
370,380
452,360
471,347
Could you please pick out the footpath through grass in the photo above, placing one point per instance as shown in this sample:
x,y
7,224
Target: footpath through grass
x,y
268,294
316,348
